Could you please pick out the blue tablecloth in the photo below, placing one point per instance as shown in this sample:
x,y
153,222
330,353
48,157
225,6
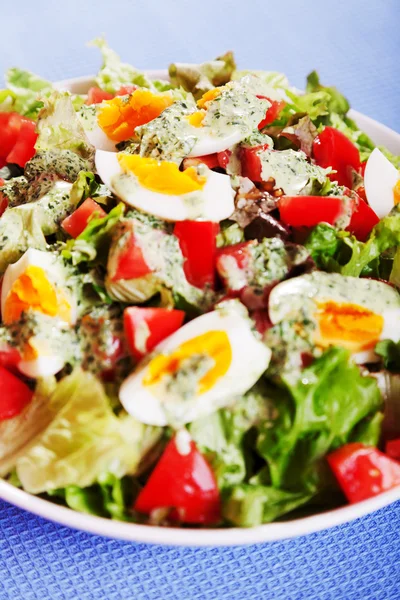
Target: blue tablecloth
x,y
355,45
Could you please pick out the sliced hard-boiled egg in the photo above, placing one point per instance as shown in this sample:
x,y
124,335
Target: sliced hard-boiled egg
x,y
37,282
201,367
336,310
227,115
382,183
115,120
161,189
38,359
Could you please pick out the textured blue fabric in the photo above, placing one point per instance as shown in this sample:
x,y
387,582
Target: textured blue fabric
x,y
355,45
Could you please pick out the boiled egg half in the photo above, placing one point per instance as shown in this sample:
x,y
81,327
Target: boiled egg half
x,y
382,183
162,190
226,116
201,367
336,310
115,120
37,282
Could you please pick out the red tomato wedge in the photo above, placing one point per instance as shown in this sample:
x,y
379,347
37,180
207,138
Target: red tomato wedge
x,y
79,219
126,89
129,260
210,160
363,471
363,220
145,327
331,148
250,162
24,147
10,124
392,449
198,243
14,395
96,95
272,112
308,211
184,483
9,357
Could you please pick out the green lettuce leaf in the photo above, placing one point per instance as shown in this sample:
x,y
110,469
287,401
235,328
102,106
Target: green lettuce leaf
x,y
23,93
84,441
203,77
93,243
390,353
114,73
338,251
112,497
248,505
337,102
59,127
222,435
317,412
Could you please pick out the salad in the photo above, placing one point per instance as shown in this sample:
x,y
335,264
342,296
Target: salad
x,y
200,307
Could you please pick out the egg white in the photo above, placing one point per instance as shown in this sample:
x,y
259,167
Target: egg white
x,y
380,177
42,366
209,144
250,358
297,297
212,203
45,260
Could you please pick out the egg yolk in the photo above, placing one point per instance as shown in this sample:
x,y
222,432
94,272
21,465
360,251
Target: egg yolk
x,y
35,348
196,119
214,344
32,290
209,96
396,193
162,177
119,116
348,325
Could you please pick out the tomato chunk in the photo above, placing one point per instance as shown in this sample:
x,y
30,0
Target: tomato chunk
x,y
96,95
14,395
393,449
184,482
308,211
145,327
197,240
10,125
126,89
232,264
363,471
24,147
272,112
363,220
127,260
79,219
250,162
331,148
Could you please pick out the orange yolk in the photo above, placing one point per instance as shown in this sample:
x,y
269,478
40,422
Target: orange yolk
x,y
119,116
196,119
208,96
396,192
35,348
214,344
348,325
162,177
32,290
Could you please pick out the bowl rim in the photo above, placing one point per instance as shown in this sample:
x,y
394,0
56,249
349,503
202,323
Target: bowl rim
x,y
190,537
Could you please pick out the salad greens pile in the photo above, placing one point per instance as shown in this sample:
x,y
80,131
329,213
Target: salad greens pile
x,y
211,208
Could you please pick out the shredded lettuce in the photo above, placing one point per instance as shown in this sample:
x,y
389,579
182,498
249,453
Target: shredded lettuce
x,y
59,127
114,73
203,77
23,92
84,441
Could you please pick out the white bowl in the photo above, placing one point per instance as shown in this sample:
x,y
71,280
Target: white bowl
x,y
381,135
